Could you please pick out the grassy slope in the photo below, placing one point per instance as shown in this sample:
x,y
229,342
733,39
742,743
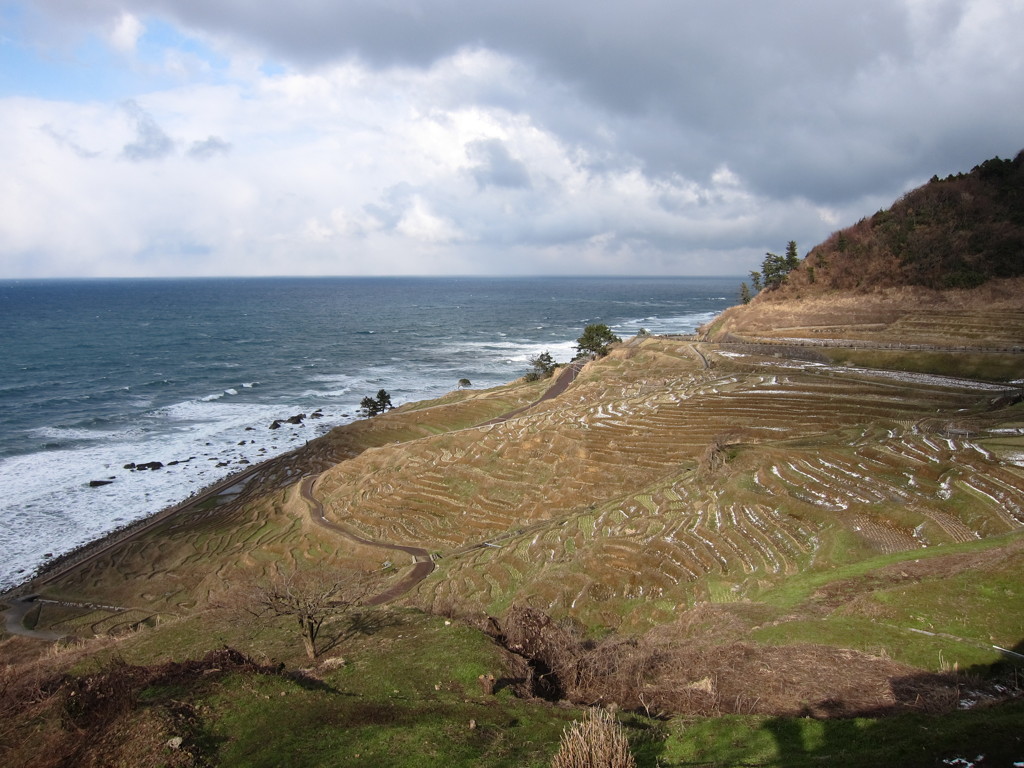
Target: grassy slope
x,y
839,508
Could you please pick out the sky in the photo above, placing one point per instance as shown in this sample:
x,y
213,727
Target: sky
x,y
149,138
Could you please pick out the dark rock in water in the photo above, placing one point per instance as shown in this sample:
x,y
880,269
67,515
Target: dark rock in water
x,y
297,418
275,424
317,414
172,463
99,483
150,465
250,429
244,461
130,465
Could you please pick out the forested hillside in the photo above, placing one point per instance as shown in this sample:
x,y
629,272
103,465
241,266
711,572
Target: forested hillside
x,y
957,232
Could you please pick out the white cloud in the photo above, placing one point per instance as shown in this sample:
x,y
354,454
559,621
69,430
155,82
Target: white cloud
x,y
125,33
421,224
355,137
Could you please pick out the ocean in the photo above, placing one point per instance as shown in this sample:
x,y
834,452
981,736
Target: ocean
x,y
99,374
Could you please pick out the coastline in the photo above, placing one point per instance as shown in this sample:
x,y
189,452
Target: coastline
x,y
202,372
301,467
54,567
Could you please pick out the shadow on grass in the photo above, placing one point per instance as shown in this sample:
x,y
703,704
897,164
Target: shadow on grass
x,y
366,623
646,741
981,719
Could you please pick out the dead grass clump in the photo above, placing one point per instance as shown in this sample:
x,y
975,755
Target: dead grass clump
x,y
597,742
91,719
688,674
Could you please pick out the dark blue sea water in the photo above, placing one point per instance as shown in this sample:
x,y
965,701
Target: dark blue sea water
x,y
99,373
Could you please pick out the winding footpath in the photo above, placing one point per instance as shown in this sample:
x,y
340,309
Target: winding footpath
x,y
565,378
423,564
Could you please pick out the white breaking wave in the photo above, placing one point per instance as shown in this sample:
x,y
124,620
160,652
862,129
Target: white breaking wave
x,y
48,506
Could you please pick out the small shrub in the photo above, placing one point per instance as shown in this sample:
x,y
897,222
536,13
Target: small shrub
x,y
597,742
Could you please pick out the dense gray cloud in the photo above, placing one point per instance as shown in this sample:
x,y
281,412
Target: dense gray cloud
x,y
800,97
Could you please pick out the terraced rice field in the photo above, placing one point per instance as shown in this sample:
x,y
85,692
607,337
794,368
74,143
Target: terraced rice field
x,y
991,329
593,505
667,475
186,560
179,563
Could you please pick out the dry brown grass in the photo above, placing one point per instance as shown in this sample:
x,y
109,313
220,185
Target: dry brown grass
x,y
50,717
988,316
596,742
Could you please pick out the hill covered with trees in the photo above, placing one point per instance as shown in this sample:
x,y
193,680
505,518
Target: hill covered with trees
x,y
958,232
941,270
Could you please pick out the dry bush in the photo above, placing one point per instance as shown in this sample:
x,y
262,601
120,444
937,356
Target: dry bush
x,y
712,459
597,742
31,682
684,672
97,719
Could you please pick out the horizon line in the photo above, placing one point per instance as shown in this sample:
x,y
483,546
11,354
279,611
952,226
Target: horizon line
x,y
368,277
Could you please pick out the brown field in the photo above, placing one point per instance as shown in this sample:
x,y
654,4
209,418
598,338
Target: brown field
x,y
987,318
670,475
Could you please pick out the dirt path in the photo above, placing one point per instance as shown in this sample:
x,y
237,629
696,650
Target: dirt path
x,y
423,564
700,354
565,378
14,619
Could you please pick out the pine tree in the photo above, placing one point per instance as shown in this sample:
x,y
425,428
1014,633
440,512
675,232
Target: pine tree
x,y
595,340
792,257
371,406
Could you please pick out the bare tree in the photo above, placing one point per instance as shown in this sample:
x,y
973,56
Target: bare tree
x,y
310,598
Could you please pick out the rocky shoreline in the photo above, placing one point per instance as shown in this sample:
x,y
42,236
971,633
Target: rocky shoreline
x,y
57,564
